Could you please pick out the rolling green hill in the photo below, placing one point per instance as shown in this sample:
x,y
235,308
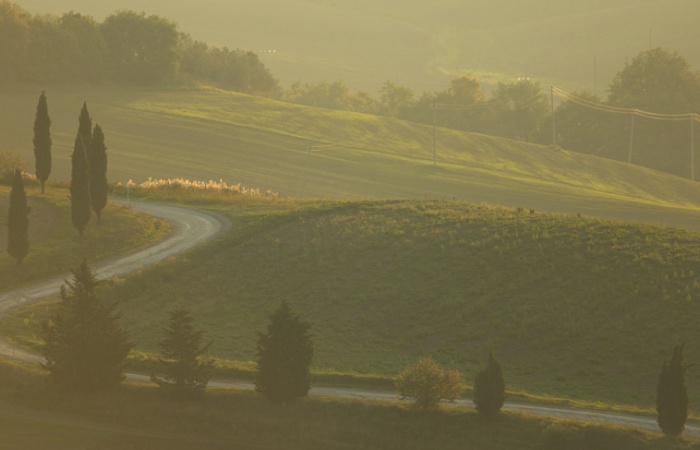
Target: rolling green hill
x,y
308,152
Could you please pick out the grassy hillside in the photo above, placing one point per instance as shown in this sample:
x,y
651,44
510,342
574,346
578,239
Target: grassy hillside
x,y
423,44
574,307
308,152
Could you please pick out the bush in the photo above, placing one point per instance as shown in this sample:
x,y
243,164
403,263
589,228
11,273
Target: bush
x,y
10,161
428,383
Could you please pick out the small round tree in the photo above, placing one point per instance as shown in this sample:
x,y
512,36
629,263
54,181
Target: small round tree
x,y
185,374
428,383
489,387
284,356
671,395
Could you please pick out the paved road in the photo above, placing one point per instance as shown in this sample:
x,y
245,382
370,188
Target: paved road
x,y
192,227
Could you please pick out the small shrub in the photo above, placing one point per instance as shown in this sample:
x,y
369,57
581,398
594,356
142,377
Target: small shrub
x,y
428,383
10,161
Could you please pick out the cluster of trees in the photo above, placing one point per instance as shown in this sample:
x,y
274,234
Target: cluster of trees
x,y
86,348
127,47
658,80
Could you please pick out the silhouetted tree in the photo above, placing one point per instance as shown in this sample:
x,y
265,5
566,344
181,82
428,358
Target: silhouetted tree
x,y
671,394
489,387
84,345
428,383
98,172
42,142
80,187
184,372
284,356
18,220
85,129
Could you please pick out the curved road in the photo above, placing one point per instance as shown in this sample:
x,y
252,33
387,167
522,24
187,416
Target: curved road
x,y
192,227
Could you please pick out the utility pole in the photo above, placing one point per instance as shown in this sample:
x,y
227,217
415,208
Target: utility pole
x,y
434,145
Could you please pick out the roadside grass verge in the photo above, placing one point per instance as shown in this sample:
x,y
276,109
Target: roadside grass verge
x,y
59,248
137,415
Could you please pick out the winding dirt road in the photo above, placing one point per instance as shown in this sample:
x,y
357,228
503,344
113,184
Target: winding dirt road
x,y
193,227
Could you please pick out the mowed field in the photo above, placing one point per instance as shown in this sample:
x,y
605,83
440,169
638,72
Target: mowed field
x,y
314,153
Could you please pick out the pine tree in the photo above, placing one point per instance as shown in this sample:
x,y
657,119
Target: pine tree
x,y
18,220
80,187
84,345
98,172
489,387
42,142
284,356
185,374
671,395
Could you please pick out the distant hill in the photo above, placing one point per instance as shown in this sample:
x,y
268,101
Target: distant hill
x,y
424,44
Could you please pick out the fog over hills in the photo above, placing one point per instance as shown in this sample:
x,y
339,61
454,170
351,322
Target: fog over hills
x,y
421,44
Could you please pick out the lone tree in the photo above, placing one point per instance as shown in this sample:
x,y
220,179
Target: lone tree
x,y
671,395
84,345
98,172
284,356
42,142
80,187
185,373
489,387
18,220
429,384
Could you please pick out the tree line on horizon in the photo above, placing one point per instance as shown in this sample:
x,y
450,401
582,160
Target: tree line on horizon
x,y
127,48
657,80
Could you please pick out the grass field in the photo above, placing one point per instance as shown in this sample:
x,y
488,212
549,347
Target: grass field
x,y
137,416
307,152
575,307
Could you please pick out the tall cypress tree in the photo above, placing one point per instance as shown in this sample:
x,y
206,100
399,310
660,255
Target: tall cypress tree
x,y
489,387
671,395
18,220
42,142
85,128
284,356
80,187
98,172
84,345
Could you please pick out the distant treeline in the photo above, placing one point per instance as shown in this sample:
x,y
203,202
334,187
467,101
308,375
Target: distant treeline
x,y
127,47
658,81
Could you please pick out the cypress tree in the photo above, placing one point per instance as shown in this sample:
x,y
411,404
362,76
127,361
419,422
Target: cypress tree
x,y
18,220
42,142
284,356
84,345
85,128
80,187
489,387
98,172
671,395
185,373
